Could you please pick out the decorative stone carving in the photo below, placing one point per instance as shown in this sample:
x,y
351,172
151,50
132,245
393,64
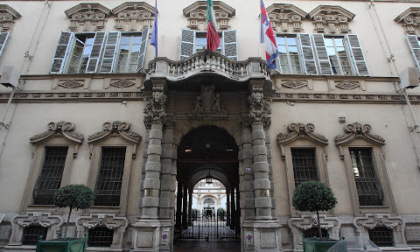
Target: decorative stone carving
x,y
155,106
7,17
61,128
208,105
260,108
300,131
286,17
70,83
87,17
331,19
197,15
305,222
410,20
122,83
110,221
347,85
134,16
294,84
357,130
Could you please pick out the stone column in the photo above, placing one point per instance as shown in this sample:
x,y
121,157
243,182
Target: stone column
x,y
227,207
179,207
238,212
184,208
246,186
232,208
190,192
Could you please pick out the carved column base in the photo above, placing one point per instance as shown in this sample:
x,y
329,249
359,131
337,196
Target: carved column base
x,y
259,235
152,235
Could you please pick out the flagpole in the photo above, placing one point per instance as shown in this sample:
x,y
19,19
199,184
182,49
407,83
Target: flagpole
x,y
260,24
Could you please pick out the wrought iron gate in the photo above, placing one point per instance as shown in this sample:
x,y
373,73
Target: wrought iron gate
x,y
209,228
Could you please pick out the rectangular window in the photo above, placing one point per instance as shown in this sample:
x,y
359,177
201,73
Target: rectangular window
x,y
304,165
414,44
100,237
3,39
367,185
201,42
382,236
80,54
337,55
108,185
32,233
128,53
50,178
288,54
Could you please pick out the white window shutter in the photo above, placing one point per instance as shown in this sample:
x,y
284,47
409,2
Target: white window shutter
x,y
413,43
356,53
3,39
143,47
278,65
62,51
306,54
187,47
111,51
230,49
321,54
95,54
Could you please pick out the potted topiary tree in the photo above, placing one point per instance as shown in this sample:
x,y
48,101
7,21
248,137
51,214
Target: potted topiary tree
x,y
314,196
74,197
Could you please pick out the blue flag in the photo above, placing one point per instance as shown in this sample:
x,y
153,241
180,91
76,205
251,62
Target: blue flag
x,y
154,39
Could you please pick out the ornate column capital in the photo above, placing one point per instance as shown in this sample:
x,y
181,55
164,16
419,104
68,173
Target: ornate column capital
x,y
155,108
259,108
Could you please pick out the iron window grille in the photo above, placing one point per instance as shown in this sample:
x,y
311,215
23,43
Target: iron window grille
x,y
304,165
51,174
108,185
100,237
313,232
32,233
367,185
382,236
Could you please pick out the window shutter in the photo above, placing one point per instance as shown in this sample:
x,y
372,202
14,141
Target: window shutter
x,y
110,52
230,45
95,54
3,39
413,43
63,47
187,44
321,54
143,47
306,54
356,52
278,65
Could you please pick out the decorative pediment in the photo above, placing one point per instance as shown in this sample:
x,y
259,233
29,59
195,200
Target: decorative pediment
x,y
65,129
7,17
331,19
410,20
37,218
87,17
286,17
305,222
134,16
196,14
371,221
115,128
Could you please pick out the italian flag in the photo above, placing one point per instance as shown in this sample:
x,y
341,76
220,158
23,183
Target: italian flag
x,y
213,40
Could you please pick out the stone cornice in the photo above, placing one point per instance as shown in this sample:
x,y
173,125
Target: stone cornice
x,y
410,20
285,17
133,6
7,17
196,14
133,16
331,19
87,17
116,128
65,129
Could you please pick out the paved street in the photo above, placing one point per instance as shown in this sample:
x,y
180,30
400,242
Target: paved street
x,y
206,246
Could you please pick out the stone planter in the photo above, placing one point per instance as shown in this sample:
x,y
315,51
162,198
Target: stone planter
x,y
62,245
317,245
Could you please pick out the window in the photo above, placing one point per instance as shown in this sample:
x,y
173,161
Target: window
x,y
108,185
414,45
382,236
79,53
313,232
288,54
367,185
304,165
193,42
3,39
50,178
318,54
100,237
32,233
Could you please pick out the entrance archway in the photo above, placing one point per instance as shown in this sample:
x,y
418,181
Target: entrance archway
x,y
207,154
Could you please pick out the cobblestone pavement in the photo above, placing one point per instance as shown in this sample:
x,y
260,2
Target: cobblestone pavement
x,y
206,246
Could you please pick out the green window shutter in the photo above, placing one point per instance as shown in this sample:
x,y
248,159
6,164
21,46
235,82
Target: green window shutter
x,y
95,54
3,39
321,54
413,43
230,49
143,47
306,54
187,47
62,51
110,52
356,54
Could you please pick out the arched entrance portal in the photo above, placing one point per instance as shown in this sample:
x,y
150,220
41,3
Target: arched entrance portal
x,y
207,156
